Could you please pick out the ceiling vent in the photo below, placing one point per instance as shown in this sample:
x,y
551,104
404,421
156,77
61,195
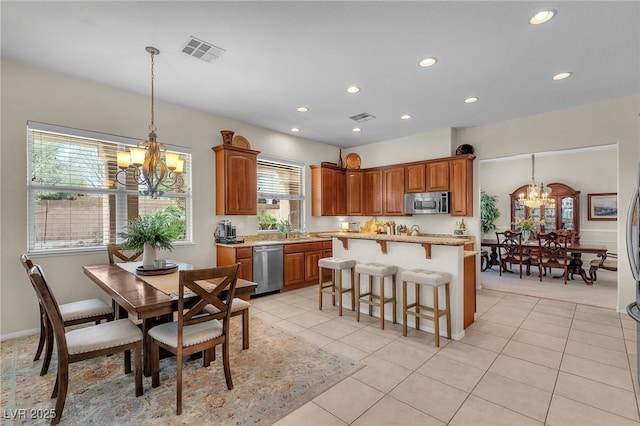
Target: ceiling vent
x,y
365,116
202,50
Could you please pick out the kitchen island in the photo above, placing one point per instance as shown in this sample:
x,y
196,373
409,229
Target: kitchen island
x,y
450,254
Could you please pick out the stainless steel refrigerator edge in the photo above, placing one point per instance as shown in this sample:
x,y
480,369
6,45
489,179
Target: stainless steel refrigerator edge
x,y
633,251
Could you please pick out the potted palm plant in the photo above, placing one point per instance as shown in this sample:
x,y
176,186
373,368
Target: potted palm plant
x,y
488,212
147,233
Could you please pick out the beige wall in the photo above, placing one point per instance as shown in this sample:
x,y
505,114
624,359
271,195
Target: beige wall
x,y
32,94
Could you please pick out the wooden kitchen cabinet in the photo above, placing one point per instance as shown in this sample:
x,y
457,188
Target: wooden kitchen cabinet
x,y
236,180
328,191
373,192
301,264
355,192
437,173
461,182
393,194
415,178
469,287
230,255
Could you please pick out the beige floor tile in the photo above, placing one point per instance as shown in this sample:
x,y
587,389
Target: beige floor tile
x,y
391,412
596,339
630,334
290,298
597,310
597,328
545,328
631,346
603,373
335,329
366,341
308,319
286,311
598,395
523,305
420,339
496,329
315,338
596,353
633,363
451,372
564,411
539,339
554,310
519,397
536,354
308,305
430,396
505,309
309,292
342,349
525,372
310,414
550,318
381,374
522,298
492,293
478,412
472,355
406,355
390,329
612,320
266,303
348,399
501,318
484,340
265,316
558,304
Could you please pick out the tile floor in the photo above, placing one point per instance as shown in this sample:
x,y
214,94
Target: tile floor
x,y
525,361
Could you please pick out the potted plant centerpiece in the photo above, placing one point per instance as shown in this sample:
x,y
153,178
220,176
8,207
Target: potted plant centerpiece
x,y
149,232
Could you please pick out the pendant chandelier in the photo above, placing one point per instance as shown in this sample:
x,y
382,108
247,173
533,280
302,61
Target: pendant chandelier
x,y
537,195
149,165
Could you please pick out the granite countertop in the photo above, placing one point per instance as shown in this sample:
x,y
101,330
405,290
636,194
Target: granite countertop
x,y
443,240
252,242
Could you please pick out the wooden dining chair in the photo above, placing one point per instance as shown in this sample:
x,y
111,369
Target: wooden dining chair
x,y
115,251
551,253
608,263
73,313
510,251
197,330
85,343
238,307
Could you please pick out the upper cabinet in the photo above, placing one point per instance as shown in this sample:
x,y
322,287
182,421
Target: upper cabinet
x,y
373,192
328,191
461,185
561,211
393,194
415,177
236,180
355,192
437,175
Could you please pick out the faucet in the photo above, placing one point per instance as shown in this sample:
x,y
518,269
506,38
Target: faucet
x,y
288,225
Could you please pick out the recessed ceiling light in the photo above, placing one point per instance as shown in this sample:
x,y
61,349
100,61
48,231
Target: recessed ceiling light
x,y
356,129
562,75
302,109
542,16
427,62
353,89
471,100
405,117
295,129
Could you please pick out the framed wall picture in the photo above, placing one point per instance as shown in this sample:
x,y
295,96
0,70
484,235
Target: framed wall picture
x,y
603,206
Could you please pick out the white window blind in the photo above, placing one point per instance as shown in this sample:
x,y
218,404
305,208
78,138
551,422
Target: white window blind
x,y
75,201
280,180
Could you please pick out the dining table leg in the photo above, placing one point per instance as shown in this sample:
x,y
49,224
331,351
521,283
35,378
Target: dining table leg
x,y
147,324
575,267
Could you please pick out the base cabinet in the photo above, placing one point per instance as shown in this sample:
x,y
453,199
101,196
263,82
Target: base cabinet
x,y
301,263
469,290
244,256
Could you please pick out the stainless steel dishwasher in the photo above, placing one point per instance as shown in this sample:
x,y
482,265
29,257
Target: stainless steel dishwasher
x,y
267,268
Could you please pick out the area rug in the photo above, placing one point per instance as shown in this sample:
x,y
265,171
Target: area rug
x,y
278,374
603,293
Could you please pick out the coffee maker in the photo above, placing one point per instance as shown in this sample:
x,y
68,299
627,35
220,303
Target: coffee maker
x,y
225,232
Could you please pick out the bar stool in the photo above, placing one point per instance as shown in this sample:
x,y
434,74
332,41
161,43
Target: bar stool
x,y
381,271
334,287
435,280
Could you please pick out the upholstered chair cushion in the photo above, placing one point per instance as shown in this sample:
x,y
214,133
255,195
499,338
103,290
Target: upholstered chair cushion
x,y
336,263
84,309
192,335
102,336
376,269
236,305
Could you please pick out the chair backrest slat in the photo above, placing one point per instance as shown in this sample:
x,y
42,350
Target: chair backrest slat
x,y
48,300
116,251
553,248
509,244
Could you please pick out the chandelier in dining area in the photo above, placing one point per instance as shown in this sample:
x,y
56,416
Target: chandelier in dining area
x,y
150,164
537,195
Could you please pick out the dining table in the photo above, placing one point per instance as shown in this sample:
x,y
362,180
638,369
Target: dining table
x,y
575,262
151,299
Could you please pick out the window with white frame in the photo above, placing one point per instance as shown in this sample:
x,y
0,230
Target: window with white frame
x,y
75,201
280,194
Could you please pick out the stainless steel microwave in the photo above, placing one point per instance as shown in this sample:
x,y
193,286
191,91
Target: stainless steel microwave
x,y
427,203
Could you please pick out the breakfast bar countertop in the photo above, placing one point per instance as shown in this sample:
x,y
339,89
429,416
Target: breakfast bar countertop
x,y
262,242
436,239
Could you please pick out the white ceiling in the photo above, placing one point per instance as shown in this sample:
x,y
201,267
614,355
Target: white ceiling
x,y
280,55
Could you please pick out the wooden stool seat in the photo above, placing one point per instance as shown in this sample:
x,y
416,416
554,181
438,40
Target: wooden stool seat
x,y
334,287
435,280
369,297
